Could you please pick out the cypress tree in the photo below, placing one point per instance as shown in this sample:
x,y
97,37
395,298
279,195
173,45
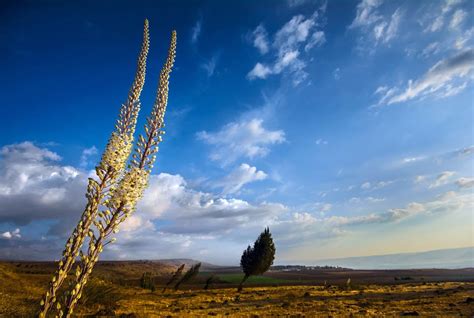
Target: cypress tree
x,y
257,260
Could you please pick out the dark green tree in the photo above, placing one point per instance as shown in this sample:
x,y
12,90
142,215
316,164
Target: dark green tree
x,y
190,274
257,260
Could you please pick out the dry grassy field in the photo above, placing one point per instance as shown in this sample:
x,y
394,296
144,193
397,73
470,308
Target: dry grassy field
x,y
115,292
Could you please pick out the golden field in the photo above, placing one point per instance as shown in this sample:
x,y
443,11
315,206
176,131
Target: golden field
x,y
107,295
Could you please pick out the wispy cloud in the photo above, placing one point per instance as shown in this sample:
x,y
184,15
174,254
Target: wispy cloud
x,y
442,179
465,182
446,78
337,74
458,19
375,27
210,65
196,32
321,141
86,154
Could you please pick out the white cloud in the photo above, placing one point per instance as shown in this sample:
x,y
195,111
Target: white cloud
x,y
337,74
33,185
296,3
239,177
173,219
437,18
436,25
458,18
375,185
86,153
196,31
13,234
357,200
464,39
465,182
210,65
247,139
440,79
431,49
442,179
449,5
366,13
419,179
259,71
260,39
365,185
412,159
297,35
371,22
443,204
317,39
321,141
392,29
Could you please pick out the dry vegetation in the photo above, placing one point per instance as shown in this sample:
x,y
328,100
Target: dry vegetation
x,y
114,291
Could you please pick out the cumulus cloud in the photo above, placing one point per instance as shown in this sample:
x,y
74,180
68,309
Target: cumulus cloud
x,y
242,139
442,179
239,177
173,219
34,185
299,35
441,80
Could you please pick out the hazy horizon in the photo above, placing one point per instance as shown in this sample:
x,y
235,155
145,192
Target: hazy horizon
x,y
346,127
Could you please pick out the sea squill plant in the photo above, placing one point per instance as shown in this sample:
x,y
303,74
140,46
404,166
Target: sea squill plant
x,y
113,197
108,172
122,200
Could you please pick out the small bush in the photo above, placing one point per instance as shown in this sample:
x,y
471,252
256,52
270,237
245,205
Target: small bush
x,y
146,282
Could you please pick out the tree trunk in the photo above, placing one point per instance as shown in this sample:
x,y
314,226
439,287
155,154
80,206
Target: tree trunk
x,y
242,282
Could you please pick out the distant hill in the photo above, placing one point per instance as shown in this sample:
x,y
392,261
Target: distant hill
x,y
188,263
445,258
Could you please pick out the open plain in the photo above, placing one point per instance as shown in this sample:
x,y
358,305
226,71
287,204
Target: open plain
x,y
115,291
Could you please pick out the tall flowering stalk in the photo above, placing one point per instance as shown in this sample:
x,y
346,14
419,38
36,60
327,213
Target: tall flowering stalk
x,y
109,171
122,201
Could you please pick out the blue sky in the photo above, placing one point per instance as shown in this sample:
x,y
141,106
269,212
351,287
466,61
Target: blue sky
x,y
345,126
